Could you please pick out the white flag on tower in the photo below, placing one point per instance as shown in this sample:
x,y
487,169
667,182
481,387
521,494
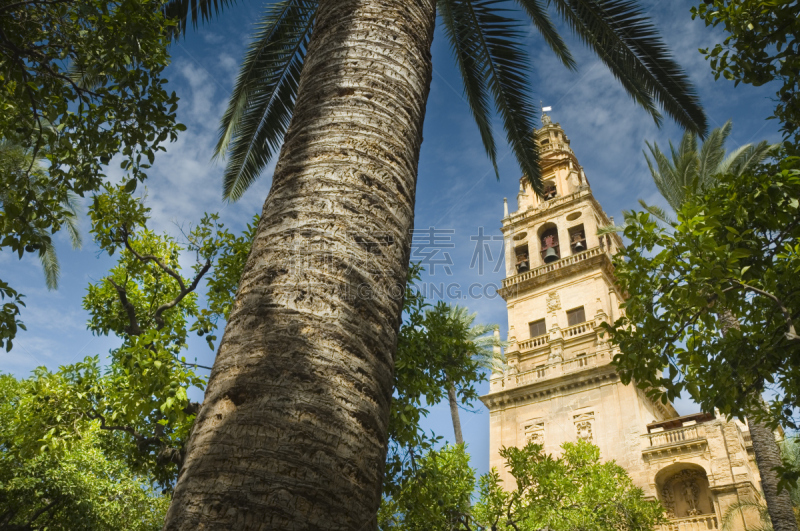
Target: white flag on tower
x,y
547,109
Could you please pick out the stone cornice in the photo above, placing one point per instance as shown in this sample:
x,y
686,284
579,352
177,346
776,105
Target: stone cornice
x,y
551,386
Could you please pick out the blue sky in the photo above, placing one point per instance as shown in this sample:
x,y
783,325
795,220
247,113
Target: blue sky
x,y
457,189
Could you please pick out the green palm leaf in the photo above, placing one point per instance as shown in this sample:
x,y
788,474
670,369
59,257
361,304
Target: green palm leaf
x,y
50,265
746,157
664,174
537,11
262,102
713,152
499,60
465,52
628,43
657,212
183,10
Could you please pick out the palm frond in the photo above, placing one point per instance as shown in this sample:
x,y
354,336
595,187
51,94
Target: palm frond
x,y
182,11
482,338
628,43
685,165
50,265
657,212
610,229
72,220
729,520
713,152
504,66
748,157
664,175
537,11
475,88
262,102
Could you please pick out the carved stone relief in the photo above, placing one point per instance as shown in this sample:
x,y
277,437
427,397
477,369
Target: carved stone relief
x,y
668,500
681,494
534,432
553,302
584,426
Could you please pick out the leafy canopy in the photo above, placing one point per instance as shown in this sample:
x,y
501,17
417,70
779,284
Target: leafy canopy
x,y
761,46
573,492
713,299
81,82
84,486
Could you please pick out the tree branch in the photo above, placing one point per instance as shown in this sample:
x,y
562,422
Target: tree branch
x,y
41,511
140,439
152,258
133,328
791,334
184,292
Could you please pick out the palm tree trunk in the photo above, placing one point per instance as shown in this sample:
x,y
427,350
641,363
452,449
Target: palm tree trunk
x,y
292,433
768,456
451,394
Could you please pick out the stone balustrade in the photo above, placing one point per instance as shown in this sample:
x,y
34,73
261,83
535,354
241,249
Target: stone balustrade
x,y
558,264
578,330
675,436
533,343
555,369
703,522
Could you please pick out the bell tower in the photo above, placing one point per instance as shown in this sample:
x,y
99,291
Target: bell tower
x,y
559,289
559,384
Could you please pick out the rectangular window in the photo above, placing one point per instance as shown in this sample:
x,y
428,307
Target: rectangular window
x,y
537,328
576,316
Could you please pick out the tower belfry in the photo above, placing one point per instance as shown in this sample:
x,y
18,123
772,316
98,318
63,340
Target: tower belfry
x,y
559,384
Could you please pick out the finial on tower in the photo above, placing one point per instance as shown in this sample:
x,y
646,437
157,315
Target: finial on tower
x,y
546,119
505,207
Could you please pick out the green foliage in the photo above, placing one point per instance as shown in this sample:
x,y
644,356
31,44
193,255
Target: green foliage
x,y
433,351
80,83
573,492
24,234
141,392
9,323
689,169
712,299
485,39
761,46
83,485
83,81
436,497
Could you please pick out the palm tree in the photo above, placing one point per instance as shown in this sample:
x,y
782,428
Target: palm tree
x,y
730,521
687,172
28,168
483,344
293,429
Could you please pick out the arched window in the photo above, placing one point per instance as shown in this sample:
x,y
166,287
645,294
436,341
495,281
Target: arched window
x,y
550,191
550,247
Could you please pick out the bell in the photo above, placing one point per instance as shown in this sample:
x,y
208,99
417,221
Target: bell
x,y
579,245
550,255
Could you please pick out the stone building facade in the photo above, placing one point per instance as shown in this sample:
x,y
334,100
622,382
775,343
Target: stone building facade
x,y
559,384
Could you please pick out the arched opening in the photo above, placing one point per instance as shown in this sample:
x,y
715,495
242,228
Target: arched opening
x,y
550,191
577,239
684,491
548,239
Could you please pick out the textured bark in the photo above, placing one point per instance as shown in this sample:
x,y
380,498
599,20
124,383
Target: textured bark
x,y
451,394
293,430
768,456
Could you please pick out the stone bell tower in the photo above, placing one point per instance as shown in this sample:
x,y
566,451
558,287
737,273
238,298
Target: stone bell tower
x,y
559,384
